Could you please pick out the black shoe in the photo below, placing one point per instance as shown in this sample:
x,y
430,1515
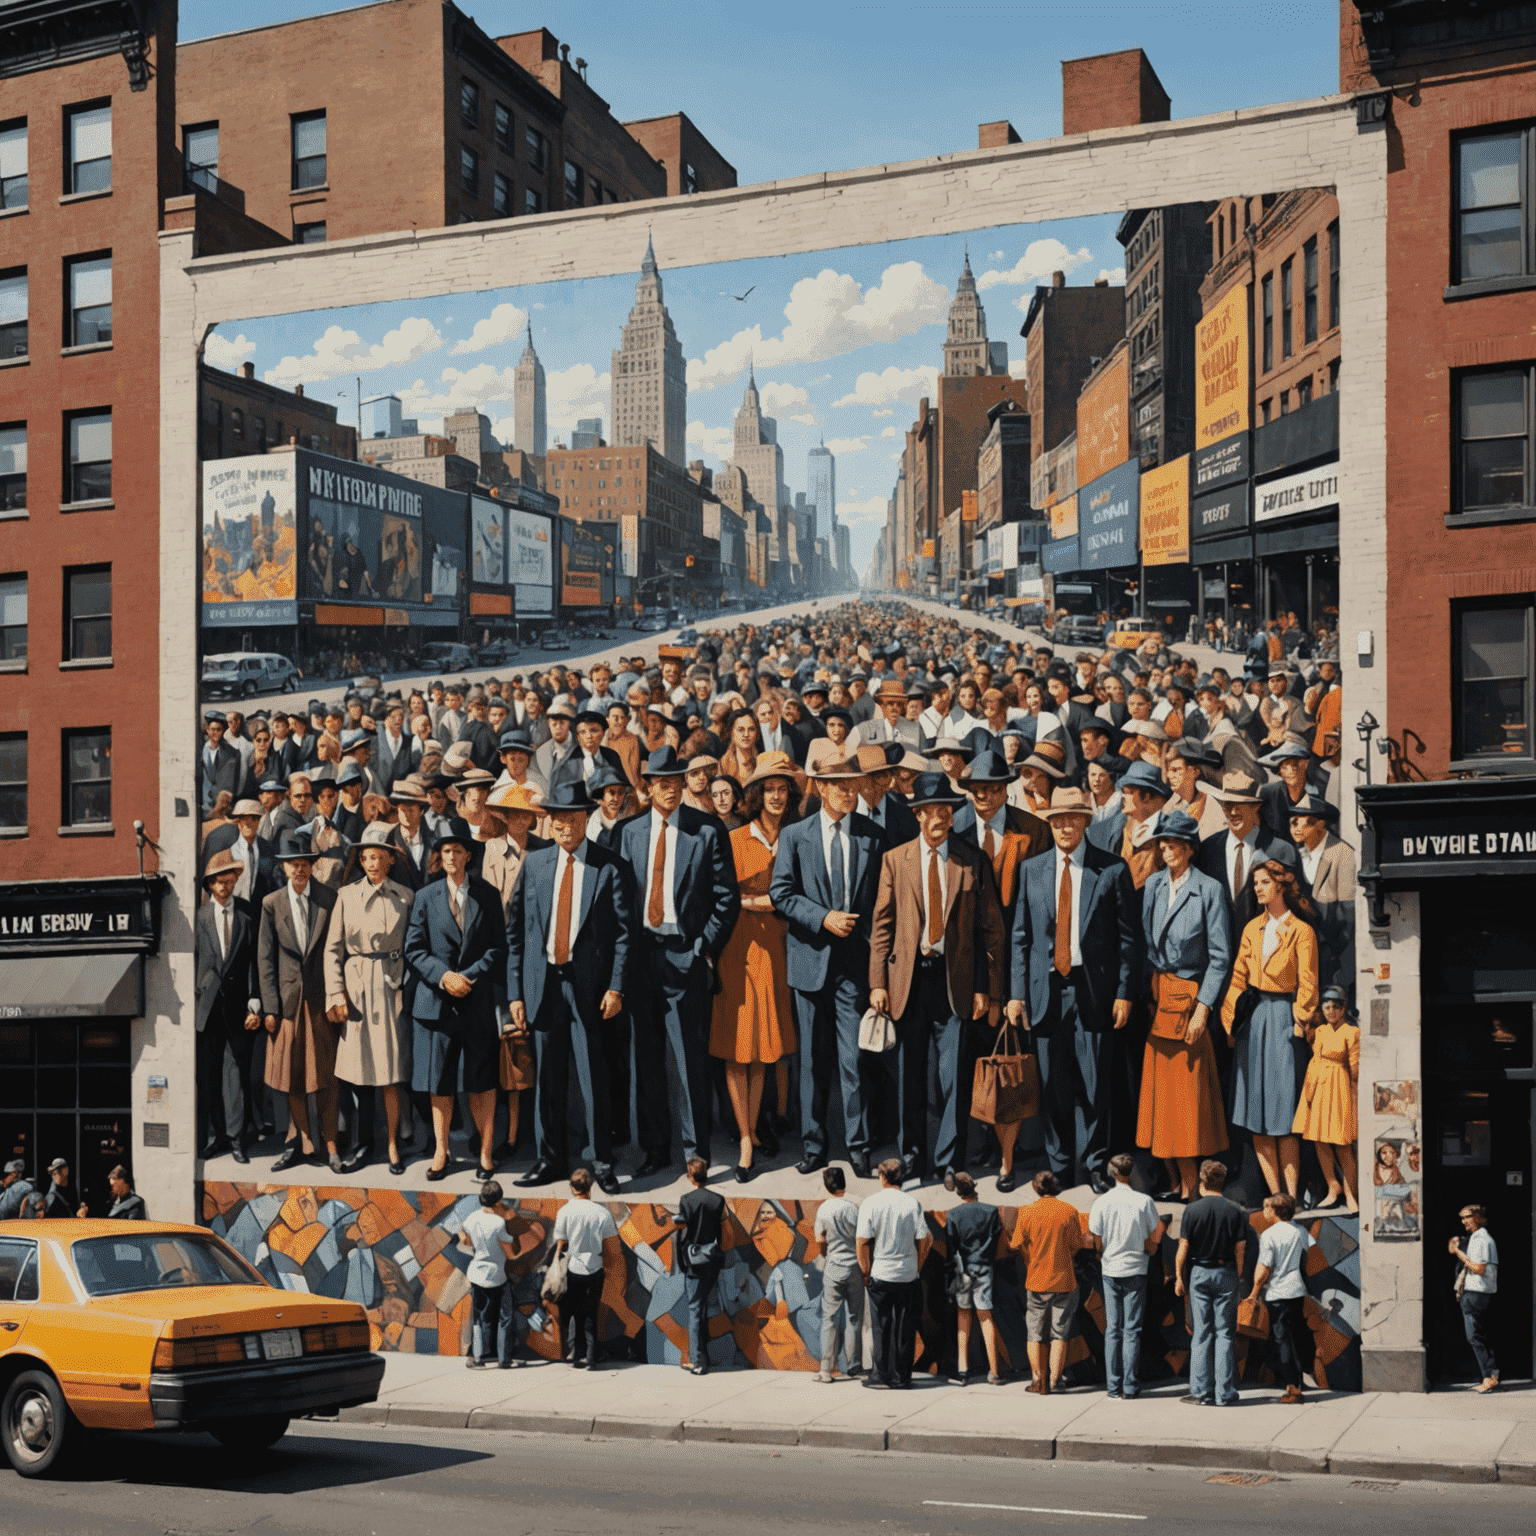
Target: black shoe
x,y
859,1162
434,1174
239,1153
1007,1183
901,1386
541,1173
744,1174
505,1151
1101,1183
812,1162
699,1370
267,1128
358,1159
333,1162
578,1365
655,1162
874,1383
287,1157
398,1169
911,1167
768,1142
1198,1402
483,1175
213,1147
606,1179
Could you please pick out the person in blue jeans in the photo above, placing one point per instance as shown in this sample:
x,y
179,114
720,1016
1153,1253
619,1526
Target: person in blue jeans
x,y
701,1256
1479,1284
1126,1229
493,1329
1213,1238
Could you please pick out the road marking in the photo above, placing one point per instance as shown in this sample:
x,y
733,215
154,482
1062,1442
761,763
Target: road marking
x,y
1030,1509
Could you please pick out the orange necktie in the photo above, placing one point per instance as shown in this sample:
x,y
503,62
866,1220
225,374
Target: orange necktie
x,y
1237,874
989,846
1064,921
656,905
935,902
563,913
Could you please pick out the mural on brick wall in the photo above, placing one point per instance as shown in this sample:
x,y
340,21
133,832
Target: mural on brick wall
x,y
396,1253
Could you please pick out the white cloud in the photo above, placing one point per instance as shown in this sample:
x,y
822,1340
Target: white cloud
x,y
573,393
339,352
504,324
892,385
777,398
828,315
715,441
874,511
221,352
468,389
887,411
1114,276
805,418
889,432
994,255
1040,259
842,445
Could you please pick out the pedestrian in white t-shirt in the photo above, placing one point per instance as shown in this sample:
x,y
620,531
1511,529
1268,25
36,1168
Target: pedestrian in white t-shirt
x,y
1125,1228
1280,1282
581,1228
890,1227
1478,1283
493,1313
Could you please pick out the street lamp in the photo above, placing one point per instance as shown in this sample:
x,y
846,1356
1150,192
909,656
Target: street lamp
x,y
1365,728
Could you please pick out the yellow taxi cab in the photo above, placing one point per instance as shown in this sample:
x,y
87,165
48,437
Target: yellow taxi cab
x,y
148,1325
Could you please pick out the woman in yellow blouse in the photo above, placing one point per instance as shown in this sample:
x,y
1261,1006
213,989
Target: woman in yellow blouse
x,y
1277,961
1327,1114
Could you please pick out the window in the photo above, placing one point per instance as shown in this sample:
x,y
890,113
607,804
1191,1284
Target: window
x,y
90,149
13,468
1309,290
1303,393
690,178
1268,326
309,151
533,202
1493,682
87,778
13,313
1333,377
237,423
469,170
88,619
1495,449
469,103
200,155
538,149
13,780
90,456
1286,272
259,432
1492,206
503,128
309,234
597,192
575,185
1333,274
213,428
501,194
13,165
13,618
90,301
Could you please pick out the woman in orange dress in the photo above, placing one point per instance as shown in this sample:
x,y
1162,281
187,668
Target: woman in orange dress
x,y
752,1026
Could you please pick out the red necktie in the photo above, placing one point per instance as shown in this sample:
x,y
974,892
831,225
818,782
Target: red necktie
x,y
563,913
656,905
935,902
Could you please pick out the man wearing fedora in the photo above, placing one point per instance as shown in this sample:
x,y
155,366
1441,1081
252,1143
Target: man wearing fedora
x,y
218,764
1291,762
936,959
590,755
1128,833
1230,857
255,856
686,905
1076,960
456,946
1328,868
290,967
569,934
409,836
826,876
878,800
559,744
228,1011
891,723
988,818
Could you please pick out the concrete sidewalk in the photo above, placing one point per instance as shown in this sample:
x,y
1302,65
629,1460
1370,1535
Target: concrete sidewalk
x,y
1453,1436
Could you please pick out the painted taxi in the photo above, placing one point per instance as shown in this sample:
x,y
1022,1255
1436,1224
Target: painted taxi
x,y
147,1325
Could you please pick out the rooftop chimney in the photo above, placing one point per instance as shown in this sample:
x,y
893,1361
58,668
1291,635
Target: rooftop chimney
x,y
996,135
1111,90
1101,282
247,370
298,389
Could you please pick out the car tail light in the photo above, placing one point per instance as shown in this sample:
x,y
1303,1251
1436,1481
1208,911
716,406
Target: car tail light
x,y
332,1338
189,1354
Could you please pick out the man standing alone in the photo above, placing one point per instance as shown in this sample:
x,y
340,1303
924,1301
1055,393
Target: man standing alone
x,y
890,1224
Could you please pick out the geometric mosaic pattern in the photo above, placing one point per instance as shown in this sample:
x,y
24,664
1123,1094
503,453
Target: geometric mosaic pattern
x,y
396,1252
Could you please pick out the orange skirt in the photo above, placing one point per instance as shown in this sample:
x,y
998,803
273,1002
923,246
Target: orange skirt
x,y
751,1023
1181,1113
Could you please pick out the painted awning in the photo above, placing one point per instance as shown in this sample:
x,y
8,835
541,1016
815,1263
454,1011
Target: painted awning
x,y
72,987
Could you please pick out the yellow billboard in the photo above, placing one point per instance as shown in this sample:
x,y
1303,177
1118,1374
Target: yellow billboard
x,y
1165,514
1221,370
968,506
1063,516
1104,418
927,549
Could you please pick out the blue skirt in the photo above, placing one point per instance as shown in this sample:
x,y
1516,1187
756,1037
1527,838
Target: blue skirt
x,y
445,1064
1269,1065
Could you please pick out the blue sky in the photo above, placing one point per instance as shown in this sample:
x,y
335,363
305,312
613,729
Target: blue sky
x,y
798,87
844,343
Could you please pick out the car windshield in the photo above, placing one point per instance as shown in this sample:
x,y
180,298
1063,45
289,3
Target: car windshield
x,y
156,1261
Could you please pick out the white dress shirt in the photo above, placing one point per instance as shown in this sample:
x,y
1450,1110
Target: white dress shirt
x,y
1075,862
578,862
416,846
660,827
773,740
1249,845
456,897
837,829
939,855
1310,859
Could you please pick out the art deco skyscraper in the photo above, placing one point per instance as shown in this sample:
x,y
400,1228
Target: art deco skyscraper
x,y
966,351
529,430
821,489
649,376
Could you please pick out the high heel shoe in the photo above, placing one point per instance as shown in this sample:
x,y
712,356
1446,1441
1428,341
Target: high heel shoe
x,y
744,1172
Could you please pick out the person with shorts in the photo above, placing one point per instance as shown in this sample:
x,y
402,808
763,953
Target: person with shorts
x,y
1049,1233
974,1230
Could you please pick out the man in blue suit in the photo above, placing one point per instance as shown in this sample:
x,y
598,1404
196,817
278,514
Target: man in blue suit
x,y
568,945
1231,857
1076,944
456,944
826,877
686,905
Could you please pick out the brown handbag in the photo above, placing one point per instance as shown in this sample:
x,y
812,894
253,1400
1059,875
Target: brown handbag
x,y
1253,1318
1005,1088
1176,999
519,1068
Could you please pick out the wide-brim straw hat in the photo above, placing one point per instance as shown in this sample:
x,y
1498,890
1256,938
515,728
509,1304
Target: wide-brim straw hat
x,y
776,765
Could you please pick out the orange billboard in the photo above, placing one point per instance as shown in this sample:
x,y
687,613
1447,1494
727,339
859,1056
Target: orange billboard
x,y
1221,370
1063,516
1104,418
967,506
1165,514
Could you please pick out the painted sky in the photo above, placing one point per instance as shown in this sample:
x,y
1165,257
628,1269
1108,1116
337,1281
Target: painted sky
x,y
844,343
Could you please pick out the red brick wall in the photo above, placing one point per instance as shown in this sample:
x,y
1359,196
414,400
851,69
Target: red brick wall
x,y
1111,90
674,140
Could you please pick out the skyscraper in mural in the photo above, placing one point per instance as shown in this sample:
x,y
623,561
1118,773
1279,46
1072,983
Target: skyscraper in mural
x,y
756,451
821,489
529,429
967,352
650,379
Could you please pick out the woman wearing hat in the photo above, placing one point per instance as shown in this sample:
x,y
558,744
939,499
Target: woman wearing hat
x,y
1327,1114
1276,961
1039,774
753,1022
364,981
1189,950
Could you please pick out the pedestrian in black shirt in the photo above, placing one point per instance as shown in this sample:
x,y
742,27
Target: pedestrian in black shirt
x,y
973,1230
701,1215
1212,1240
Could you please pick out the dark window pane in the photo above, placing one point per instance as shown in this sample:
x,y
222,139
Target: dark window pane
x,y
91,638
56,1087
1493,405
1493,643
18,1087
106,1087
104,1043
1493,722
308,137
1493,473
1490,244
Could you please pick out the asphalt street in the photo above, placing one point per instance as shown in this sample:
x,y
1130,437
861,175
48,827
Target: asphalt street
x,y
362,1481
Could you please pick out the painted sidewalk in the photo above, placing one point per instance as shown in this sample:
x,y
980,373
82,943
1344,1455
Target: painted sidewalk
x,y
1454,1436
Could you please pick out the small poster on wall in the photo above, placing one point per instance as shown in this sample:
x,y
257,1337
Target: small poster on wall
x,y
1400,1100
1396,1174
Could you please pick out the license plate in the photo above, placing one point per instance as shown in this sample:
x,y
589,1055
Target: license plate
x,y
282,1344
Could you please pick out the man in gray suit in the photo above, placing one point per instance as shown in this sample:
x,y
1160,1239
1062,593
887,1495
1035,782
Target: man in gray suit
x,y
1328,865
890,722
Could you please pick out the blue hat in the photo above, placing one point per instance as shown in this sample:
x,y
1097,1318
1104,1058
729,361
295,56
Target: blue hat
x,y
353,738
663,763
322,773
934,789
349,773
989,768
274,786
1176,823
516,739
1286,749
590,711
980,739
295,845
569,794
1145,776
215,717
606,777
455,830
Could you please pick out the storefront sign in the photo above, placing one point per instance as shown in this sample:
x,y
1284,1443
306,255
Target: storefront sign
x,y
1031,583
1063,516
1217,516
1103,419
968,506
1165,514
1108,514
994,565
1221,370
1448,828
1060,557
1222,464
85,917
1292,495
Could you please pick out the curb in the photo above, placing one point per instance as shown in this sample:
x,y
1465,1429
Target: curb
x,y
1416,1471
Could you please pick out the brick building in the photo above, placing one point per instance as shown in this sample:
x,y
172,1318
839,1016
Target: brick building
x,y
1066,332
241,414
1111,90
691,162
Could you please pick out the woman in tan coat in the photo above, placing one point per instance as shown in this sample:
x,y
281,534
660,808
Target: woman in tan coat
x,y
364,982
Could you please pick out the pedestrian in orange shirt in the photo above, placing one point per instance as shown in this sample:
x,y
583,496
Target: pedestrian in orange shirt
x,y
1048,1234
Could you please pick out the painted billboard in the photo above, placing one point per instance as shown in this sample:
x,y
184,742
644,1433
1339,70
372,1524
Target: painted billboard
x,y
1063,518
586,564
1109,514
1103,417
531,562
1223,386
249,548
488,540
1165,514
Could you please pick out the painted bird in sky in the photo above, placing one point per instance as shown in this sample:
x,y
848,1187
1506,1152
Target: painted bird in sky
x,y
740,298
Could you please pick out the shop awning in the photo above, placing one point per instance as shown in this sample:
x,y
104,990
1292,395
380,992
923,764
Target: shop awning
x,y
72,987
